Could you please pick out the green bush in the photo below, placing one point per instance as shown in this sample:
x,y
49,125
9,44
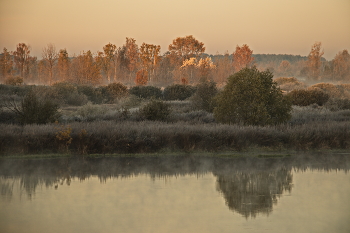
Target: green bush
x,y
146,92
155,111
307,97
93,94
115,91
178,92
203,99
33,110
251,98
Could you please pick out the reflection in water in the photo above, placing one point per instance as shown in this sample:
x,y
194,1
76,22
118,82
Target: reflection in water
x,y
249,185
250,193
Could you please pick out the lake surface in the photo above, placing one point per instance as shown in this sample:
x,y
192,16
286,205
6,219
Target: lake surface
x,y
306,193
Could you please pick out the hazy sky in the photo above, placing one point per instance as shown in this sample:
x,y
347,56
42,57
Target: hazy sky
x,y
267,26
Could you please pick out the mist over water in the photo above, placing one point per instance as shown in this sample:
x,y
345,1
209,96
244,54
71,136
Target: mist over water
x,y
176,194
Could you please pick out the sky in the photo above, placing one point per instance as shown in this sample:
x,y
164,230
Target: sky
x,y
266,26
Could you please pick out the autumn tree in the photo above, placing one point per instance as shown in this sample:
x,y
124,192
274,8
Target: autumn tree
x,y
205,66
85,70
223,69
106,58
150,57
6,64
63,64
50,56
242,57
314,61
188,70
21,57
341,65
284,68
186,47
131,55
141,77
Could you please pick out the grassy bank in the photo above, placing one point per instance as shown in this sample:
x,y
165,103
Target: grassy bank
x,y
110,137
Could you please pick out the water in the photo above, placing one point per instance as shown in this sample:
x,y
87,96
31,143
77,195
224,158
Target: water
x,y
176,194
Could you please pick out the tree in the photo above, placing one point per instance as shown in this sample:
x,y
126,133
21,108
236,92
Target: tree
x,y
149,55
85,70
141,77
341,65
21,58
63,65
186,47
205,66
284,68
6,64
242,57
50,56
106,58
251,98
314,61
131,55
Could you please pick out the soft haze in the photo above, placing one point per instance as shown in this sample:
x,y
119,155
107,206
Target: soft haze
x,y
267,26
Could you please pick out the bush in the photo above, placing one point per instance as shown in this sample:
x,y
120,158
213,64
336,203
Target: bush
x,y
329,89
115,91
146,92
251,98
155,111
308,97
203,99
289,84
93,94
14,81
76,99
178,92
32,110
338,104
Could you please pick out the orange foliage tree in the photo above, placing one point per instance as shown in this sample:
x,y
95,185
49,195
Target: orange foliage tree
x,y
242,57
314,61
184,48
341,65
141,77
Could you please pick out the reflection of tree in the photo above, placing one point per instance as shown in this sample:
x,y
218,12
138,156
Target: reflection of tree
x,y
249,185
250,193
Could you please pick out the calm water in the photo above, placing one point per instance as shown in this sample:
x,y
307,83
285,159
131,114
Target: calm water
x,y
176,194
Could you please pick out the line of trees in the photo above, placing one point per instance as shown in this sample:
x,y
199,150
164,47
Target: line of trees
x,y
185,62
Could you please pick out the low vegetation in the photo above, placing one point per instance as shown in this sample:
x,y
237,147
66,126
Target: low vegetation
x,y
145,119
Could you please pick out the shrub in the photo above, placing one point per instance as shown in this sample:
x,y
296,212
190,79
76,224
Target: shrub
x,y
14,81
146,92
203,99
289,84
251,98
76,99
93,94
115,91
308,97
329,88
178,92
33,110
155,111
338,104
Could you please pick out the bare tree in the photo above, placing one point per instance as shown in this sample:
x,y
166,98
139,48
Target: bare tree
x,y
50,56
